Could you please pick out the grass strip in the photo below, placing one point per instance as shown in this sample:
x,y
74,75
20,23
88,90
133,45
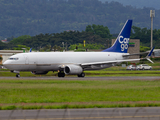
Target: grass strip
x,y
79,105
89,73
58,94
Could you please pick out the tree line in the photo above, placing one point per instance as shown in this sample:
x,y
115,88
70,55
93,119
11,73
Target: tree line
x,y
94,34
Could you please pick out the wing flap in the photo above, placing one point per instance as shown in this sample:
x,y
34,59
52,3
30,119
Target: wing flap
x,y
149,53
118,61
109,62
135,54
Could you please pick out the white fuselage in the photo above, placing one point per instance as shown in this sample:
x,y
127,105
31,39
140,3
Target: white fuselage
x,y
52,61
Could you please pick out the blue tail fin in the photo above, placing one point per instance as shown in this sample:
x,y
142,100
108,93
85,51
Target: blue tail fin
x,y
122,41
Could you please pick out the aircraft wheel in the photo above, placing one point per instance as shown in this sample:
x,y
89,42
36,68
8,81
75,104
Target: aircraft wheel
x,y
81,75
18,75
60,74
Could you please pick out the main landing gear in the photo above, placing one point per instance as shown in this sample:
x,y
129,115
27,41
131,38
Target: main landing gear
x,y
81,75
61,74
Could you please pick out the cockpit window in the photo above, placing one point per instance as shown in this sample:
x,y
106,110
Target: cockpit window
x,y
13,58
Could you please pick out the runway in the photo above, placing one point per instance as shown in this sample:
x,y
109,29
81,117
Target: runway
x,y
81,114
89,78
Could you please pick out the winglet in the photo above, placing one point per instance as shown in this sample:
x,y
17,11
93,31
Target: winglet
x,y
30,50
149,55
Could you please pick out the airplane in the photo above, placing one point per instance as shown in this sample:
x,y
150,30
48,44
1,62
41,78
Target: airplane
x,y
74,63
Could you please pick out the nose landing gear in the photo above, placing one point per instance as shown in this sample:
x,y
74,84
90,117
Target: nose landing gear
x,y
14,71
18,75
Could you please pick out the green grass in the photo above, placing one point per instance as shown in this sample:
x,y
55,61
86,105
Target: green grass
x,y
36,94
58,94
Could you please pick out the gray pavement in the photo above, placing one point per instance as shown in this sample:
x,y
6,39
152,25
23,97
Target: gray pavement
x,y
146,113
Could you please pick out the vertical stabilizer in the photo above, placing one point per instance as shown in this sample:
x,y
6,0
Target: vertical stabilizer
x,y
122,41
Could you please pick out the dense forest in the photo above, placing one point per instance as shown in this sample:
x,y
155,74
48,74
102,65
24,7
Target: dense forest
x,y
32,17
95,36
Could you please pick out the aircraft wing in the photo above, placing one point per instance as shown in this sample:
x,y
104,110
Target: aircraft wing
x,y
118,61
109,62
140,53
135,54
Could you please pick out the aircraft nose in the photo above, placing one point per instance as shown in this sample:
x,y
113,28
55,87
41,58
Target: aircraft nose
x,y
6,63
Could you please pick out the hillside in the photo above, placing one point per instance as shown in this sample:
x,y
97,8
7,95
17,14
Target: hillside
x,y
138,3
32,17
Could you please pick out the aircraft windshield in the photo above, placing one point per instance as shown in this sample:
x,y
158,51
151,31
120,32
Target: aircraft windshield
x,y
13,58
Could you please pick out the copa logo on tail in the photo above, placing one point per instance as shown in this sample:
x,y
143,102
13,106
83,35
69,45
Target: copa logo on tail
x,y
124,42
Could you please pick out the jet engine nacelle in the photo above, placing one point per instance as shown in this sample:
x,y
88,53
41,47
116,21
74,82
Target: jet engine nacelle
x,y
39,72
73,69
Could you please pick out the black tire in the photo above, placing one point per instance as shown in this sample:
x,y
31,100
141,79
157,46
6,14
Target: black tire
x,y
18,75
61,74
81,75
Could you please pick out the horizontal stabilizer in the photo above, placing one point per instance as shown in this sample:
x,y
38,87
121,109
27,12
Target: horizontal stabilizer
x,y
150,60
